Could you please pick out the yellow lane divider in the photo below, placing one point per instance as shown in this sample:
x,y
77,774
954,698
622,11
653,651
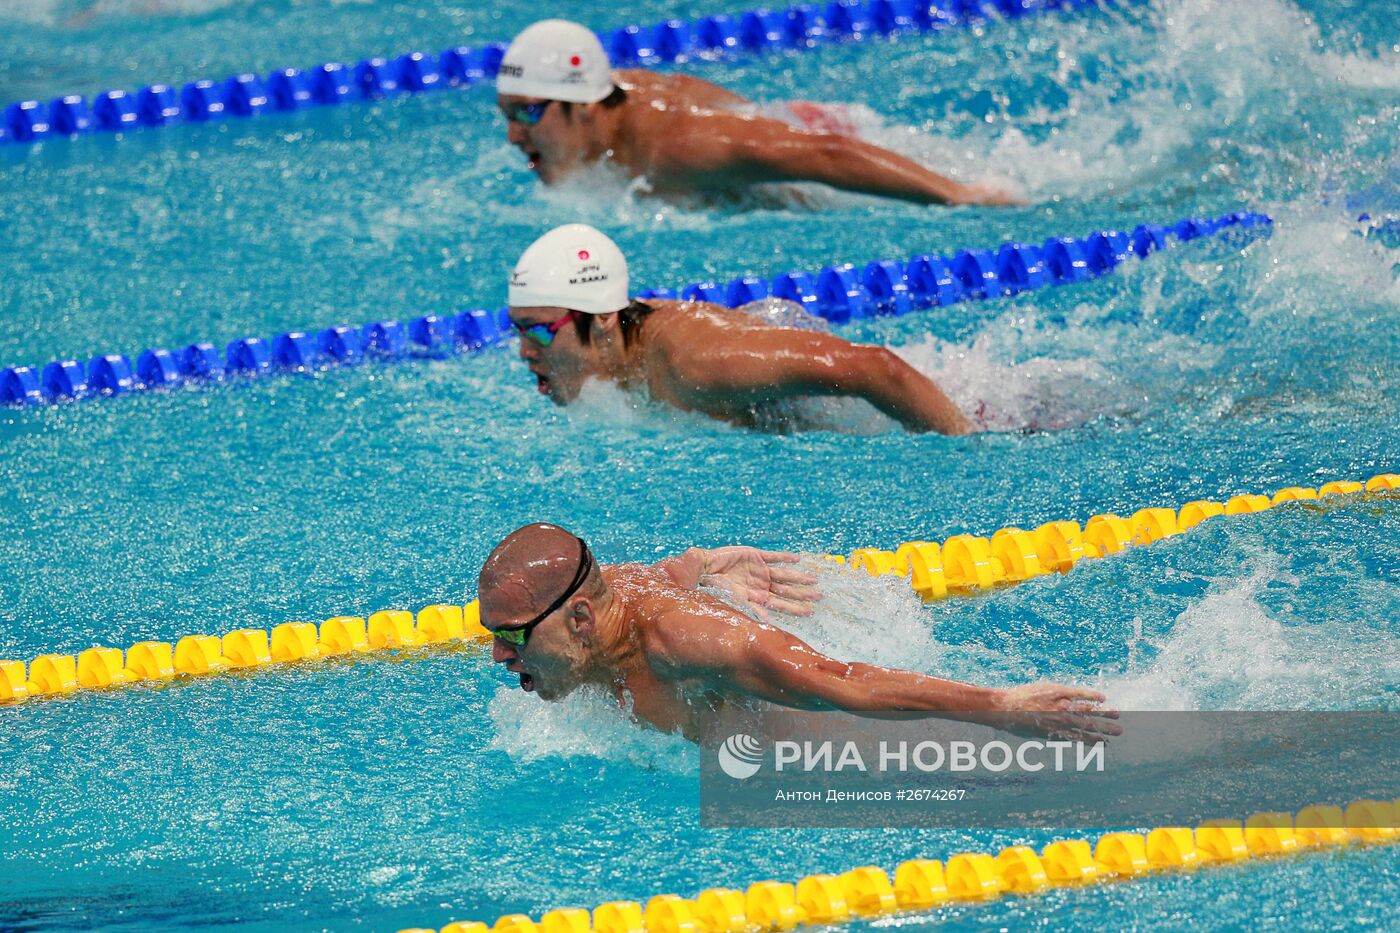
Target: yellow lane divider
x,y
961,565
966,564
921,884
200,655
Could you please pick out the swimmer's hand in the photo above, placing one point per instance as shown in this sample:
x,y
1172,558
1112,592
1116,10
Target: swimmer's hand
x,y
1057,711
761,579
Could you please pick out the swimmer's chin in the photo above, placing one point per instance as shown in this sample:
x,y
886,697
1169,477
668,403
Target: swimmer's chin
x,y
545,691
553,390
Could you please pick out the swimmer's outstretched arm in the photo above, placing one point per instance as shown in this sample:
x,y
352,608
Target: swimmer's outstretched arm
x,y
762,579
759,366
760,149
733,654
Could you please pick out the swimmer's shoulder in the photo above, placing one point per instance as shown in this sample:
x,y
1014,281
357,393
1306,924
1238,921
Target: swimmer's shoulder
x,y
654,601
677,90
686,334
695,318
645,589
685,628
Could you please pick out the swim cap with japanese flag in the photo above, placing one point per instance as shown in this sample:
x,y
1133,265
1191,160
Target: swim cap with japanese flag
x,y
574,267
556,60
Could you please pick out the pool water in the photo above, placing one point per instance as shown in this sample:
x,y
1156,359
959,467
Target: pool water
x,y
380,795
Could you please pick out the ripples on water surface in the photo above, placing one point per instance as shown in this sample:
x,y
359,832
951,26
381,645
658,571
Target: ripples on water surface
x,y
373,796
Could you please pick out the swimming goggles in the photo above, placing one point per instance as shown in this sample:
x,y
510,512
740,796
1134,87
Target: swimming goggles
x,y
516,636
526,114
543,334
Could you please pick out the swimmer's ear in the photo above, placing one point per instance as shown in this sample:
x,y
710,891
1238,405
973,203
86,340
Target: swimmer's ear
x,y
581,620
606,323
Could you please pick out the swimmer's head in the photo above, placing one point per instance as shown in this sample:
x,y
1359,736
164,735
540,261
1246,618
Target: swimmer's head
x,y
555,60
575,267
550,80
542,591
565,283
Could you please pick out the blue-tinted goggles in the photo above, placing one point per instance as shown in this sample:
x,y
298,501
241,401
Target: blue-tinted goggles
x,y
526,114
543,334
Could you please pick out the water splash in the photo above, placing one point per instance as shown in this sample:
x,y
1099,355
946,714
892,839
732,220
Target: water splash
x,y
587,723
1002,392
878,620
1228,651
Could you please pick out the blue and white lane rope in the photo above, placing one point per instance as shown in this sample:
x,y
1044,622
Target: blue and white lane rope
x,y
290,89
837,293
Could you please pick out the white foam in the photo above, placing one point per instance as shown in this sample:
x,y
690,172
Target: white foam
x,y
1195,69
585,723
1001,392
878,620
1227,651
603,195
1315,249
601,403
1262,41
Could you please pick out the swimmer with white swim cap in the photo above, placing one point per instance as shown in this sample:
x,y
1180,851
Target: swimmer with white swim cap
x,y
566,109
569,300
677,656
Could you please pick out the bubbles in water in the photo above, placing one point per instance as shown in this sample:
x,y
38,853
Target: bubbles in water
x,y
77,14
587,722
878,620
1000,393
603,403
1226,651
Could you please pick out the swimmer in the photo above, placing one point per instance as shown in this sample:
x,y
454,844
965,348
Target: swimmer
x,y
565,109
569,301
679,657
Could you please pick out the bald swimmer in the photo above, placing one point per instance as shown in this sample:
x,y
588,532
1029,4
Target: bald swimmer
x,y
678,657
565,109
569,301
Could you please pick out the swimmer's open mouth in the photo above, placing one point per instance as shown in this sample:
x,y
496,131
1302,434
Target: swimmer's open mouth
x,y
532,159
542,383
527,683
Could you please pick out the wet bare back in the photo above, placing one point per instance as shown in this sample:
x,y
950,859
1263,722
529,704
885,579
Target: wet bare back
x,y
688,135
725,363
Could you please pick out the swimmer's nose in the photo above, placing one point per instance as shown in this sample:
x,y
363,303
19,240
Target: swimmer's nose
x,y
515,133
528,349
501,652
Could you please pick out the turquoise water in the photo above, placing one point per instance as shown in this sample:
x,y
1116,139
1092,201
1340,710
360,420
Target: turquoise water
x,y
369,796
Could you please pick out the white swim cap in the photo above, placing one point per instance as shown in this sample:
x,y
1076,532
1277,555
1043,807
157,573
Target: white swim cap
x,y
556,60
573,267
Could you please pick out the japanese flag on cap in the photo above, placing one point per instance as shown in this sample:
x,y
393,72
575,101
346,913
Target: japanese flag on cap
x,y
556,60
574,267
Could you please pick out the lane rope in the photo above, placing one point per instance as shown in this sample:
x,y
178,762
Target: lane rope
x,y
866,893
284,90
962,565
839,293
967,564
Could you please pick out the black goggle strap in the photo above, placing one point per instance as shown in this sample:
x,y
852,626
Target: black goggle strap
x,y
585,565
